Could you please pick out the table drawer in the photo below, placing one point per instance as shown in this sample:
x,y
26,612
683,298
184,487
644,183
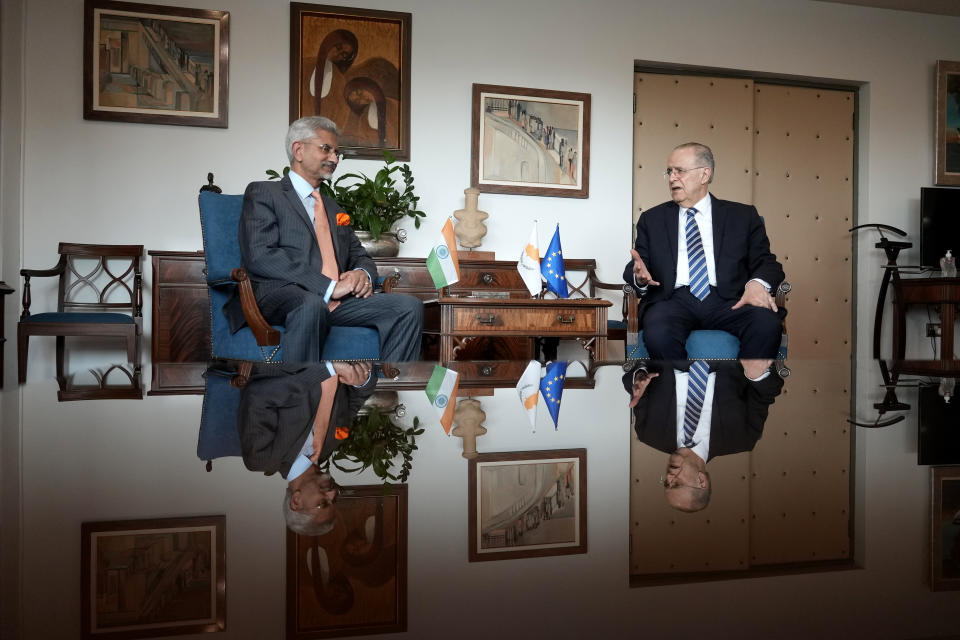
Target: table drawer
x,y
480,320
187,270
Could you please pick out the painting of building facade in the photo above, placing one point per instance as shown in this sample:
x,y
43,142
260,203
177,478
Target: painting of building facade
x,y
156,62
156,577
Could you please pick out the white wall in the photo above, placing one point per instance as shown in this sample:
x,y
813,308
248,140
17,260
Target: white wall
x,y
128,183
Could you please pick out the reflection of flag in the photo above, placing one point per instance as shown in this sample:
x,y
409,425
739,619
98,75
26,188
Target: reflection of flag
x,y
442,393
552,267
529,264
529,390
552,388
443,262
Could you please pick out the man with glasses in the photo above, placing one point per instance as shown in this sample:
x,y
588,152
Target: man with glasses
x,y
703,263
727,417
309,270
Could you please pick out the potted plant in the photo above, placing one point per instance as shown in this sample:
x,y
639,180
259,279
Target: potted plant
x,y
376,205
375,441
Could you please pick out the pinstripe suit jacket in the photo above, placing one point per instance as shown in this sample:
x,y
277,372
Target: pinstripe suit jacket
x,y
279,245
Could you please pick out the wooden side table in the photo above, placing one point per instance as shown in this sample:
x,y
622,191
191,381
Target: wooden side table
x,y
463,319
909,291
4,292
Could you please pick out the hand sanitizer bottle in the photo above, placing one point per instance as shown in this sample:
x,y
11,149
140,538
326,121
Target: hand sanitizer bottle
x,y
948,267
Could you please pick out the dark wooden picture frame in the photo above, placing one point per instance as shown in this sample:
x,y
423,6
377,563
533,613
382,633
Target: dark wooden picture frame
x,y
121,84
944,528
948,123
530,141
365,591
514,531
153,578
360,59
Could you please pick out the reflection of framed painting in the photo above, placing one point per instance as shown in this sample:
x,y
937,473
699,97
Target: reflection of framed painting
x,y
945,528
152,578
155,64
527,504
530,141
353,579
353,66
948,123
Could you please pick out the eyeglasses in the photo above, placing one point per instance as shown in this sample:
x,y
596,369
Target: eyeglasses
x,y
678,171
327,149
667,484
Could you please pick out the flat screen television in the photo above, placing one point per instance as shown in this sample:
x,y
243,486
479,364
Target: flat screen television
x,y
939,224
938,440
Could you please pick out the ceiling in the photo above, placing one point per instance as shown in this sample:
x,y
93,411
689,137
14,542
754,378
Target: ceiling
x,y
942,7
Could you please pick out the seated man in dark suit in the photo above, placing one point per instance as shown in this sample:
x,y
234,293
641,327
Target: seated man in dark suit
x,y
309,270
725,404
290,420
703,263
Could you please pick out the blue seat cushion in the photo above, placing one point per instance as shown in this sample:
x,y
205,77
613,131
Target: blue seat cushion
x,y
701,344
80,317
616,324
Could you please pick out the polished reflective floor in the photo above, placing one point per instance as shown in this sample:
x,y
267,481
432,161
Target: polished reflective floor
x,y
549,513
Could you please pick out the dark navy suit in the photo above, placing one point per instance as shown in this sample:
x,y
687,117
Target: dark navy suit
x,y
741,252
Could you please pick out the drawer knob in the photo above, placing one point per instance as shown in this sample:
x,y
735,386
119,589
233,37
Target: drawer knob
x,y
487,278
565,319
486,319
486,371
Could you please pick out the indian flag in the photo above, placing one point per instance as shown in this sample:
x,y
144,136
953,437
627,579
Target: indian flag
x,y
529,389
529,264
443,263
442,393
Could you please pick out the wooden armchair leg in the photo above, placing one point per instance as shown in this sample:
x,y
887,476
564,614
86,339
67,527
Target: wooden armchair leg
x,y
23,345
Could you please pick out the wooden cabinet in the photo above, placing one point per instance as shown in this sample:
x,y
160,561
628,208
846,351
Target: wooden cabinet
x,y
180,346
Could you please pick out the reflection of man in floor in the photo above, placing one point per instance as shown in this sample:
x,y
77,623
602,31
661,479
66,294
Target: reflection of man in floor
x,y
288,422
736,397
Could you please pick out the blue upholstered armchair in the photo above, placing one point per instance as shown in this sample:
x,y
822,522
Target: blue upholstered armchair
x,y
258,341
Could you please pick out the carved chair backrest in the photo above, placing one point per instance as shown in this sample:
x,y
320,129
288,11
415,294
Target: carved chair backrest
x,y
100,277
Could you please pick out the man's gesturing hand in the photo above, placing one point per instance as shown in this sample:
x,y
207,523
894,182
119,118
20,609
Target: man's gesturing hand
x,y
353,282
755,294
639,386
640,273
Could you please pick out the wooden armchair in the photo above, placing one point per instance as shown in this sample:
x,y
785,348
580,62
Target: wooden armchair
x,y
100,293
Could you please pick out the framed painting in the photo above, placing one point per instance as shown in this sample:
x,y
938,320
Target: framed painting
x,y
945,528
948,123
353,66
155,64
530,141
151,578
527,504
353,579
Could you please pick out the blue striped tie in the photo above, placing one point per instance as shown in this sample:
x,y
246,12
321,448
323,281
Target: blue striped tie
x,y
696,392
696,258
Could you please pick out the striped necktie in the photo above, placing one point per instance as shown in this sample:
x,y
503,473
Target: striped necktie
x,y
696,392
697,259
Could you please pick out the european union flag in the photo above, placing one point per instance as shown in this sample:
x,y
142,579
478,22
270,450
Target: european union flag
x,y
551,387
551,266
